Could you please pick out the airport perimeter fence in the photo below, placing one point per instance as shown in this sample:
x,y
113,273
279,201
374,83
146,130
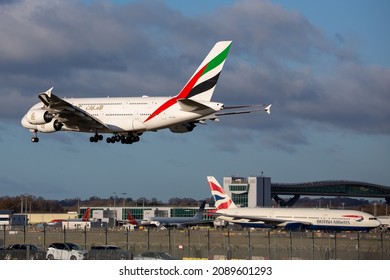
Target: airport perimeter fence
x,y
209,243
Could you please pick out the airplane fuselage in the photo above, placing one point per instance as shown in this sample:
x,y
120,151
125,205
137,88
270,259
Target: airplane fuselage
x,y
308,218
170,221
130,114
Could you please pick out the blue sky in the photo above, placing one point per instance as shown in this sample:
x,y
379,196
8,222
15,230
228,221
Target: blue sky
x,y
324,66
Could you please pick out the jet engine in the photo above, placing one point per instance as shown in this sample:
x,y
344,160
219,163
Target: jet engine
x,y
52,126
39,116
183,128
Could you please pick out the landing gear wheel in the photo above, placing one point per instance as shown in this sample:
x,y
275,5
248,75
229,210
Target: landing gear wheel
x,y
35,139
93,139
96,138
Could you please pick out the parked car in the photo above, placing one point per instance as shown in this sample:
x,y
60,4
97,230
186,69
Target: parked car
x,y
22,252
153,256
107,252
66,251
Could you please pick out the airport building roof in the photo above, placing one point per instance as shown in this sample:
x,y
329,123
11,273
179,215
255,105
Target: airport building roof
x,y
333,188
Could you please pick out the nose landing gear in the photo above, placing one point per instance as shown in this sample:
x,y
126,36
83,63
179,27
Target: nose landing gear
x,y
35,138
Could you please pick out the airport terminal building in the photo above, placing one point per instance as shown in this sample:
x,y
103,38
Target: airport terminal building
x,y
259,191
249,192
252,191
255,191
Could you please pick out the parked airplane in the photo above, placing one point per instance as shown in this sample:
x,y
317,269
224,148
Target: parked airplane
x,y
288,218
56,222
131,220
178,222
126,118
59,222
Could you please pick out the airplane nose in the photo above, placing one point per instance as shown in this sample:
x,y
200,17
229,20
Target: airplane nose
x,y
26,124
24,121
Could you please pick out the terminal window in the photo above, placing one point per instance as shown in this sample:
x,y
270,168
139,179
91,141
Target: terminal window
x,y
240,199
238,188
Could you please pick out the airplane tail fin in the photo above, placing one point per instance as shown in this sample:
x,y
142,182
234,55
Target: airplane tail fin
x,y
200,212
202,83
131,219
222,200
86,215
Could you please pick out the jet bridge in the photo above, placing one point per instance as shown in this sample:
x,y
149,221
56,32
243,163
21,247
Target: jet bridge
x,y
328,188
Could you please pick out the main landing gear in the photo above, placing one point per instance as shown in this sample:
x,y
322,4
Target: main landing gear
x,y
123,139
96,138
129,139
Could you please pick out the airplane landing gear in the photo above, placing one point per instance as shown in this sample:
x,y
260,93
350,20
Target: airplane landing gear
x,y
96,138
130,139
35,138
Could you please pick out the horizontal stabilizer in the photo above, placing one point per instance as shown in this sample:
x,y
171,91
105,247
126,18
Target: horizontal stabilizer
x,y
190,105
236,112
232,110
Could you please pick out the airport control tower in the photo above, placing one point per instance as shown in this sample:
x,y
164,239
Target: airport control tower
x,y
249,192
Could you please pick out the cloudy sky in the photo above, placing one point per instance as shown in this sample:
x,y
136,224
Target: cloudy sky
x,y
324,66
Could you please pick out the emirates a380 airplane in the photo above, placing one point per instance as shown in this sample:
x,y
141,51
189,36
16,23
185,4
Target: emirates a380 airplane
x,y
126,118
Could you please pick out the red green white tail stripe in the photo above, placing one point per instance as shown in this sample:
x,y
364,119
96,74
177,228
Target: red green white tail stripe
x,y
202,83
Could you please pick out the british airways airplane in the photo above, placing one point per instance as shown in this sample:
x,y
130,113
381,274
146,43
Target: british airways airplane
x,y
178,222
289,218
126,118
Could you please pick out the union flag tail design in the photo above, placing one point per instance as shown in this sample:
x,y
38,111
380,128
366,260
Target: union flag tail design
x,y
222,200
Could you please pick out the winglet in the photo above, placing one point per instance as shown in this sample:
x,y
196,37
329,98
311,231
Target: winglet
x,y
268,109
48,92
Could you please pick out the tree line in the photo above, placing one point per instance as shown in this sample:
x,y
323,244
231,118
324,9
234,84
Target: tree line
x,y
33,204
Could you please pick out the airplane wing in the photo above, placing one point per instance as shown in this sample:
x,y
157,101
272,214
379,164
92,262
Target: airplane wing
x,y
234,110
73,117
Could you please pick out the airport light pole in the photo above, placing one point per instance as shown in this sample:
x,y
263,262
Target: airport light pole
x,y
21,204
124,197
114,193
25,209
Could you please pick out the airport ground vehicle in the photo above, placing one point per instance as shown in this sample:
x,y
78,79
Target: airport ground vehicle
x,y
153,256
22,252
66,251
107,252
